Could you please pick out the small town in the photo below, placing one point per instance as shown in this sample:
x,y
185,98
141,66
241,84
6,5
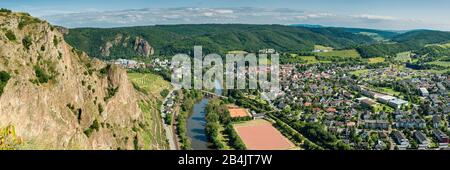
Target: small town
x,y
383,108
389,107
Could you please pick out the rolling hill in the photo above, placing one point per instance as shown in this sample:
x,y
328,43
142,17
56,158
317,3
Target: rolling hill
x,y
219,38
409,41
167,40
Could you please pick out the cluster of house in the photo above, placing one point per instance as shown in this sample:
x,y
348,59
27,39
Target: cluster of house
x,y
267,51
423,141
382,98
168,105
431,87
324,96
156,64
391,74
129,64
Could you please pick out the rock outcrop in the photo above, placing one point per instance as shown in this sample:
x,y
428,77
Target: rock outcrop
x,y
59,98
140,46
143,47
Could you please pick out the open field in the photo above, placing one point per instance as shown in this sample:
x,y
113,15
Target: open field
x,y
376,60
440,63
321,47
309,59
295,58
237,52
339,53
261,135
151,83
359,72
447,45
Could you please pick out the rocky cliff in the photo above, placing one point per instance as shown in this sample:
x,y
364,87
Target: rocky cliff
x,y
139,45
56,97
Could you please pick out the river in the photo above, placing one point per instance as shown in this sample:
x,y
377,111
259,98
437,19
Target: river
x,y
196,123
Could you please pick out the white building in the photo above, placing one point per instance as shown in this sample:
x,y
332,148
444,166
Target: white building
x,y
424,92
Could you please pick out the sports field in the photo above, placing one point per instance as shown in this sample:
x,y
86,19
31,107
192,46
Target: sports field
x,y
261,135
239,112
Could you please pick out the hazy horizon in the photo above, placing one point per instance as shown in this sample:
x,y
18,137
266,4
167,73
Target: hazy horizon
x,y
382,15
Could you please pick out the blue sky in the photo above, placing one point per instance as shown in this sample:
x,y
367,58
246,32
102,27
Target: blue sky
x,y
381,14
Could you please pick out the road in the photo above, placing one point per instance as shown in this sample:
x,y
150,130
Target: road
x,y
168,128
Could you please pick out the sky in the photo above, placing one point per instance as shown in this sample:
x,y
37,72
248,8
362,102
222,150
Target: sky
x,y
378,14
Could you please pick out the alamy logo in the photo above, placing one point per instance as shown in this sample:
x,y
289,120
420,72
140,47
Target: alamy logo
x,y
241,71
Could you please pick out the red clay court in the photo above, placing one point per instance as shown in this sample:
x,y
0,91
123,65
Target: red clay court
x,y
261,135
236,111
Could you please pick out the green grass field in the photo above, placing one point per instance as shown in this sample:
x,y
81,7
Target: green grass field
x,y
339,53
376,60
389,91
237,52
447,45
359,72
321,47
152,84
440,63
295,58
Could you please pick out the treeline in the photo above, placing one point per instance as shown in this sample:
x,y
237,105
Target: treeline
x,y
181,129
238,97
217,118
235,141
190,97
294,135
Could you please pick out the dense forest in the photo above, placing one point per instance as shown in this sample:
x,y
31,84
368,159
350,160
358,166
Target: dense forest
x,y
409,41
168,40
218,38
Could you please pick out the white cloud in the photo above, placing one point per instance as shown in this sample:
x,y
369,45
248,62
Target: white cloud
x,y
320,15
208,14
224,11
373,17
246,15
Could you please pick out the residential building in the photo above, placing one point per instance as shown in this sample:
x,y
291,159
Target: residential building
x,y
436,121
376,124
441,137
422,140
424,92
401,140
